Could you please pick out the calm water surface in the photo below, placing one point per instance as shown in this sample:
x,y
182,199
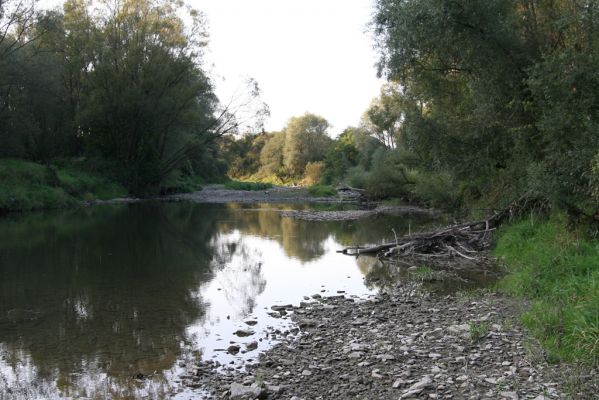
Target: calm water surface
x,y
111,301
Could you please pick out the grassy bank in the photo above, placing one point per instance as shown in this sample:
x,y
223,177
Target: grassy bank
x,y
26,185
558,270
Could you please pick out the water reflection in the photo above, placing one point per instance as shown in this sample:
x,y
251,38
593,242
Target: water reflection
x,y
104,302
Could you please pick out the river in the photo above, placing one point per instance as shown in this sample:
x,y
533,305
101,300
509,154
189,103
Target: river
x,y
115,300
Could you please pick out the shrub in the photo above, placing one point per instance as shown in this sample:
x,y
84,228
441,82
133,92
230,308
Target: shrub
x,y
322,191
436,189
356,177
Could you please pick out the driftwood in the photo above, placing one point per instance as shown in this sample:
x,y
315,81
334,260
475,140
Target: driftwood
x,y
463,240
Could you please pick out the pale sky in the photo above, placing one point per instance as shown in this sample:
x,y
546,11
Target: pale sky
x,y
307,55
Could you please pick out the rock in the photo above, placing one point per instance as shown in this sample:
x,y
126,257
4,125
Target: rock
x,y
306,372
509,395
251,346
418,387
241,392
251,322
281,308
233,349
398,383
244,332
306,323
462,331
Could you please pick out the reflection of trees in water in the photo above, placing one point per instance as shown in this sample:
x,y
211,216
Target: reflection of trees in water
x,y
108,288
239,272
305,240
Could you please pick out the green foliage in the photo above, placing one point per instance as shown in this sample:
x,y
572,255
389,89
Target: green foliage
x,y
306,140
500,95
388,177
236,185
436,189
479,331
322,191
271,155
558,269
26,185
314,172
357,177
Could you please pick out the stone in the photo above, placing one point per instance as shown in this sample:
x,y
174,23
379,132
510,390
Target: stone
x,y
509,395
233,349
251,346
241,392
244,332
418,387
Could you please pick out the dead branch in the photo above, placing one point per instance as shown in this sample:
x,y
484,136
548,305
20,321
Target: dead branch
x,y
463,240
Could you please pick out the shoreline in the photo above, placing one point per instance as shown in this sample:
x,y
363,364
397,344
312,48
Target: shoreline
x,y
403,345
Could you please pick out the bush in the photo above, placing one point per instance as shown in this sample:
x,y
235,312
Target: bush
x,y
388,177
356,177
436,189
236,185
313,173
322,191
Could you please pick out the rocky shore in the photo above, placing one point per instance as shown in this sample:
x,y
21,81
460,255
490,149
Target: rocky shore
x,y
403,345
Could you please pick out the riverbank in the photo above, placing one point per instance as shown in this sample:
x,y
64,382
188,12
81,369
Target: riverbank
x,y
406,344
27,186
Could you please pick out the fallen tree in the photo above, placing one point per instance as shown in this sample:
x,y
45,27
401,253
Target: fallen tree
x,y
463,240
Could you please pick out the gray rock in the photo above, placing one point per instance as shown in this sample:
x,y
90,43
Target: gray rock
x,y
418,387
244,332
240,392
251,346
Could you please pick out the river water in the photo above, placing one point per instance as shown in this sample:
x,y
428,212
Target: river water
x,y
114,301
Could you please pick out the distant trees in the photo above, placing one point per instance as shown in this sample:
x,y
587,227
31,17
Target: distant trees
x,y
306,140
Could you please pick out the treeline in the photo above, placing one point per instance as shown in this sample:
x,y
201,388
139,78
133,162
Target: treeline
x,y
118,86
487,100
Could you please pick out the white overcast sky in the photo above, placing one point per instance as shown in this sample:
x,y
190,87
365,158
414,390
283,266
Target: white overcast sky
x,y
306,55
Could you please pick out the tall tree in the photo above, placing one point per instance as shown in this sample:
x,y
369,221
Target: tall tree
x,y
306,140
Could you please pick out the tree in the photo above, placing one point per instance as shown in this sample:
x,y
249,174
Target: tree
x,y
306,140
384,117
271,155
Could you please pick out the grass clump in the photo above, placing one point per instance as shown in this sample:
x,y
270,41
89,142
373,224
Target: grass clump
x,y
479,331
558,269
322,191
237,185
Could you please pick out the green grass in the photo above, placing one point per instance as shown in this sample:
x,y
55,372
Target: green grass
x,y
479,331
558,269
26,185
322,191
237,185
